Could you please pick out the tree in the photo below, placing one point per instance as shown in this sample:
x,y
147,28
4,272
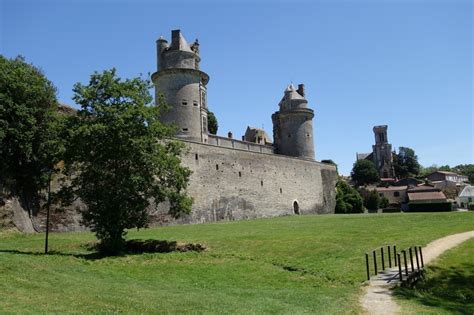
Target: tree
x,y
348,199
465,169
406,163
364,172
212,124
119,160
384,202
29,124
372,201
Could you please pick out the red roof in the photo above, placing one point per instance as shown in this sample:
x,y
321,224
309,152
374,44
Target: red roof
x,y
432,195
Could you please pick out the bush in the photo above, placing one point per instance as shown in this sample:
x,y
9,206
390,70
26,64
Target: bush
x,y
384,203
429,207
372,202
348,200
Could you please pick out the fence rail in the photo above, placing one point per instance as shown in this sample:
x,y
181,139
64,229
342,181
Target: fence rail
x,y
396,259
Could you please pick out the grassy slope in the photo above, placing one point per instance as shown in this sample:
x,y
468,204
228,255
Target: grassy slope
x,y
245,269
448,287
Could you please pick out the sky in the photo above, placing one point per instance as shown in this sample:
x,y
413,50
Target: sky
x,y
405,64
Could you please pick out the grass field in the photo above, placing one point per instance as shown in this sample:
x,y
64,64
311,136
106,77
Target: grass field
x,y
297,264
448,287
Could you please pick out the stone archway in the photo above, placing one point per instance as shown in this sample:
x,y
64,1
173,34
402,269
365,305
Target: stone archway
x,y
296,207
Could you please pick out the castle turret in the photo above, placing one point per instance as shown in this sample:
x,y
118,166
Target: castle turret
x,y
183,85
293,125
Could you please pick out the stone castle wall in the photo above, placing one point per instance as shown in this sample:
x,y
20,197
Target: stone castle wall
x,y
232,184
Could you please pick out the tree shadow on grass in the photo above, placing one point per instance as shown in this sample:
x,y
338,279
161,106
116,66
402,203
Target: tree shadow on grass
x,y
132,247
451,289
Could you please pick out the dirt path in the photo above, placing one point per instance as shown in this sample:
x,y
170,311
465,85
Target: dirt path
x,y
378,294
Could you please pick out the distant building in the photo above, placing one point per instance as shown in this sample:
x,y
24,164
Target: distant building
x,y
396,195
425,194
466,197
381,155
449,176
256,135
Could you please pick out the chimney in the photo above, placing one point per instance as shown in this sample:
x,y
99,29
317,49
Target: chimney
x,y
300,89
175,36
229,135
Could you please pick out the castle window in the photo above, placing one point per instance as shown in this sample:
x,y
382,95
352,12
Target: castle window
x,y
281,191
261,183
185,129
184,103
240,174
196,157
396,194
217,167
195,103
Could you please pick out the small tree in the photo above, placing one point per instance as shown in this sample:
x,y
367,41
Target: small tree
x,y
212,124
348,200
118,161
29,124
364,172
372,201
406,163
384,202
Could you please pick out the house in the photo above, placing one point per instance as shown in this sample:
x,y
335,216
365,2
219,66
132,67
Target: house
x,y
466,197
396,195
448,176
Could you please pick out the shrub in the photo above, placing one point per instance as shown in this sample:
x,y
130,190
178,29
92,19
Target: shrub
x,y
429,207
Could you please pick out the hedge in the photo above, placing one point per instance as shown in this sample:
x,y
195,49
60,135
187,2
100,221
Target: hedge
x,y
429,207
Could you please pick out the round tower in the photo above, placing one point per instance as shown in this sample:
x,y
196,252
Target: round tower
x,y
183,86
293,125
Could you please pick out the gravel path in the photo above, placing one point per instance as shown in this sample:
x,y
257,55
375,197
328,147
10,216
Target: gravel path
x,y
377,298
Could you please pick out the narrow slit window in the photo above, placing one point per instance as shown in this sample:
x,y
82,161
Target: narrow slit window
x,y
196,156
217,167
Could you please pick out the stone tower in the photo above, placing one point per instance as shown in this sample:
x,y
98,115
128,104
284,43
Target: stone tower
x,y
382,152
293,125
183,86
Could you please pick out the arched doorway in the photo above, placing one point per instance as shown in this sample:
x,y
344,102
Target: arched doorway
x,y
296,207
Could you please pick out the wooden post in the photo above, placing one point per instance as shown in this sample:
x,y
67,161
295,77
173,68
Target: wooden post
x,y
395,253
389,257
405,260
375,262
417,262
411,260
367,265
383,260
421,256
399,267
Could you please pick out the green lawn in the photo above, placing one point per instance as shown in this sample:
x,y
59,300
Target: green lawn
x,y
297,264
448,287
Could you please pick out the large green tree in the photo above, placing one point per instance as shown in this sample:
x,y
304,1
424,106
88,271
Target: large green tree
x,y
120,160
348,200
212,124
406,163
364,172
29,125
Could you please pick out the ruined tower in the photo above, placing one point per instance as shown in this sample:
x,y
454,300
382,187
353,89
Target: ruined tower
x,y
183,86
293,125
382,152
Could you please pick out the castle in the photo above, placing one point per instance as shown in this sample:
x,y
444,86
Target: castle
x,y
381,155
240,179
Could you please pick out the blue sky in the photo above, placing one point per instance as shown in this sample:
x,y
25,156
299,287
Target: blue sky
x,y
407,64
